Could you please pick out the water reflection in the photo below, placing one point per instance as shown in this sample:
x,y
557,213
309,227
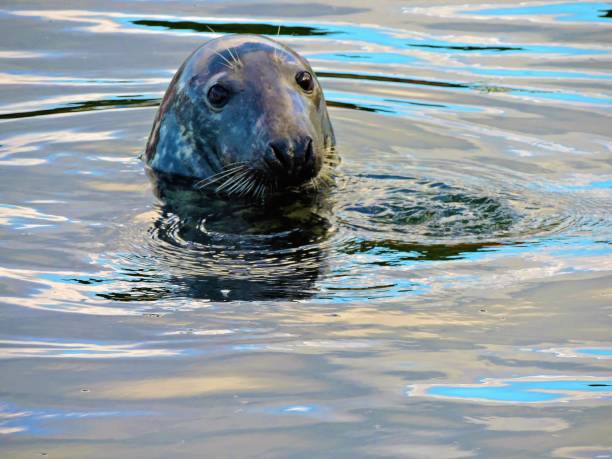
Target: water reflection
x,y
470,223
326,247
537,389
17,420
227,250
572,12
599,353
20,217
63,349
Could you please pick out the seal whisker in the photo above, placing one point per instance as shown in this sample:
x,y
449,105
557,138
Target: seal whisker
x,y
264,190
256,186
239,183
237,163
326,179
252,189
277,35
219,176
223,175
234,57
229,65
325,176
259,191
249,186
229,182
243,183
231,166
316,182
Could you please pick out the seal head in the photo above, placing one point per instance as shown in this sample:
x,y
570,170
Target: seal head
x,y
244,115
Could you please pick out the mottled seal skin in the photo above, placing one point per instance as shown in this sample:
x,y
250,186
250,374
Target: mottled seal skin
x,y
272,131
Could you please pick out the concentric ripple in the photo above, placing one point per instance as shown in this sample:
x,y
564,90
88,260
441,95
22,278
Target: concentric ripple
x,y
487,205
223,252
326,249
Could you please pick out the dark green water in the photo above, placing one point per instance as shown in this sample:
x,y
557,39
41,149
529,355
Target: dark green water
x,y
450,297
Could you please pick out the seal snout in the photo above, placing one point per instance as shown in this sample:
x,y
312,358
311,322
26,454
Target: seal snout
x,y
291,162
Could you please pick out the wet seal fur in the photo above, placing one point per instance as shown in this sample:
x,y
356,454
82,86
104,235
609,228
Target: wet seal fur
x,y
243,116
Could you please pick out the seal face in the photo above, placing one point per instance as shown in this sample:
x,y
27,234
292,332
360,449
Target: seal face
x,y
244,115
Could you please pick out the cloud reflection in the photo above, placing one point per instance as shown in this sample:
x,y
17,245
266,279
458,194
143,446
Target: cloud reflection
x,y
42,348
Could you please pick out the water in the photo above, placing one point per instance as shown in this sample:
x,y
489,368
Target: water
x,y
449,297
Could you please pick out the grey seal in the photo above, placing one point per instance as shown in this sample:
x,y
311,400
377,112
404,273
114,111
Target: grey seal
x,y
244,115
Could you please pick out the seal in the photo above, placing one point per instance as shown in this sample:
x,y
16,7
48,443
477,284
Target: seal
x,y
244,115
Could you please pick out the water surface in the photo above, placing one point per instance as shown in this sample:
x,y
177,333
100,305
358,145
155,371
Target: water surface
x,y
449,297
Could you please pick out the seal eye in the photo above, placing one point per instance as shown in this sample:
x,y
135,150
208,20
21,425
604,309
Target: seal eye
x,y
218,96
305,80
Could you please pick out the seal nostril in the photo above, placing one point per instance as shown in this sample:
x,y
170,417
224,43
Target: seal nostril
x,y
281,152
308,152
279,156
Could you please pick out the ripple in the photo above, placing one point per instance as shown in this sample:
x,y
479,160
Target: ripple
x,y
460,207
64,349
571,12
19,79
113,102
433,210
21,217
326,250
586,12
583,452
218,251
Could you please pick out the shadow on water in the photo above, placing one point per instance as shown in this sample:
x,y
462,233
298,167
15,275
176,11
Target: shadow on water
x,y
354,106
233,27
87,106
414,251
390,79
470,48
